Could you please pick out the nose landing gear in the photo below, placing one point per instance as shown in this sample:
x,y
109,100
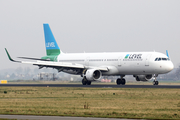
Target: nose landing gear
x,y
155,82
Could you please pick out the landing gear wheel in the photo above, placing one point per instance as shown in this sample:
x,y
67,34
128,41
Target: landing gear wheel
x,y
121,81
155,82
88,82
84,82
118,81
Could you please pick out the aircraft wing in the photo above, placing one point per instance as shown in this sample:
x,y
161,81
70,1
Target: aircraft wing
x,y
57,65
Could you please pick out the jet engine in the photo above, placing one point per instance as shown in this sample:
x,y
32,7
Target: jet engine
x,y
143,77
93,74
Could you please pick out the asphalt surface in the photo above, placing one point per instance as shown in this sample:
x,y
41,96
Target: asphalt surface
x,y
91,86
31,117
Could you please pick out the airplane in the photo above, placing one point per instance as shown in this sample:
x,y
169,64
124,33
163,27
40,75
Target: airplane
x,y
144,66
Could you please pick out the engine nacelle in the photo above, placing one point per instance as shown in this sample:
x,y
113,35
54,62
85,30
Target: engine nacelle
x,y
93,74
143,77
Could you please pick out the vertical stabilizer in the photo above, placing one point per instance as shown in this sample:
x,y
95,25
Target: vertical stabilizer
x,y
52,47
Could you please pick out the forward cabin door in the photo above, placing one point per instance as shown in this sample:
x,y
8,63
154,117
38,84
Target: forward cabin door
x,y
147,60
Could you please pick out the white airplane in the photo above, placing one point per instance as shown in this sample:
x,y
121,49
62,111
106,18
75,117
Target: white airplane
x,y
144,66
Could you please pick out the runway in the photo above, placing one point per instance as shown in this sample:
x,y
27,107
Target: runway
x,y
90,86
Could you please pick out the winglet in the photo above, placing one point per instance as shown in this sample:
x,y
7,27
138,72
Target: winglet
x,y
10,56
167,53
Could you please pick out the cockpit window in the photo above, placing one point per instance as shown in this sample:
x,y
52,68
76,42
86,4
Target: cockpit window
x,y
156,59
162,59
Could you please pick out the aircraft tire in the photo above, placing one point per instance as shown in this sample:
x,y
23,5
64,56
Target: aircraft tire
x,y
88,82
84,82
118,81
123,81
155,82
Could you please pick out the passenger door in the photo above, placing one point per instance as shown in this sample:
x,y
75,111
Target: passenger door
x,y
147,60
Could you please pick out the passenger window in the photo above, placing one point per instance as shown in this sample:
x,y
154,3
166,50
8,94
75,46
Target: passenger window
x,y
159,59
156,59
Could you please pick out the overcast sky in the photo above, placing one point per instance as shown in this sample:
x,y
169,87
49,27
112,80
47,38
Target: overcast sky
x,y
90,26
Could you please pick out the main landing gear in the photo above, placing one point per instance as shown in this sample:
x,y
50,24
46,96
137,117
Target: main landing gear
x,y
86,82
121,81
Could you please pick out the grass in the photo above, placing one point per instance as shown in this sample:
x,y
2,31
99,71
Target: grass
x,y
92,102
7,119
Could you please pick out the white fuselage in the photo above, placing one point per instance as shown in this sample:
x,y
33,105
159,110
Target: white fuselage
x,y
122,63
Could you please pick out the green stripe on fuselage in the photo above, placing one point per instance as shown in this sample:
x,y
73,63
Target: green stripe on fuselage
x,y
53,52
51,58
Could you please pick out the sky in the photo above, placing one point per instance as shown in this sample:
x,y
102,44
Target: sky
x,y
89,26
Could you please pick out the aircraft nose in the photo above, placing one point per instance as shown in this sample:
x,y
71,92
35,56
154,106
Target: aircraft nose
x,y
170,66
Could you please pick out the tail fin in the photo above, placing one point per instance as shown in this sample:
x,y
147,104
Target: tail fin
x,y
52,47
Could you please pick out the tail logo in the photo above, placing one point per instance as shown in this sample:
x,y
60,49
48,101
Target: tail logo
x,y
50,44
